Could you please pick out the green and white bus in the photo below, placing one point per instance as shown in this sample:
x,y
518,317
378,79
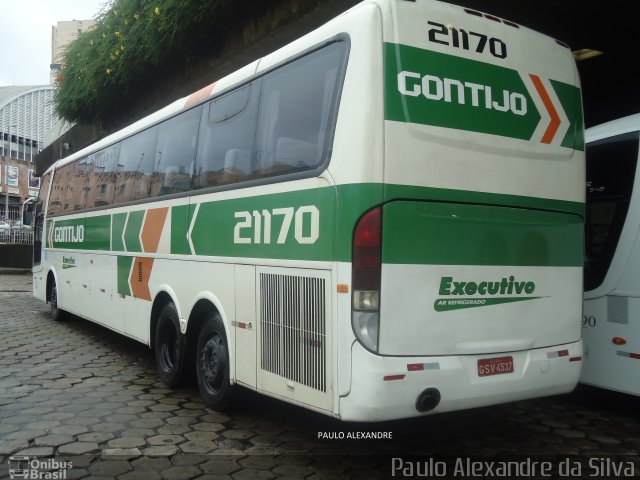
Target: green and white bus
x,y
611,327
382,219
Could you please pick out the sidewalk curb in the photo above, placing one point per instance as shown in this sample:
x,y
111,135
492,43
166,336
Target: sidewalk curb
x,y
14,271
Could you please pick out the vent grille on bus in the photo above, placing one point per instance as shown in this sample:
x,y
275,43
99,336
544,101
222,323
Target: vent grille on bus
x,y
617,309
293,328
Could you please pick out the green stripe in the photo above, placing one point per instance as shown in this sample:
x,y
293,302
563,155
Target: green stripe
x,y
213,232
132,232
392,192
339,208
571,101
180,221
124,268
97,233
455,95
447,304
459,234
465,108
119,220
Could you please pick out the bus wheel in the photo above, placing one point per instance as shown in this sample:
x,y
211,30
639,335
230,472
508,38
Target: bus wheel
x,y
170,347
56,313
212,363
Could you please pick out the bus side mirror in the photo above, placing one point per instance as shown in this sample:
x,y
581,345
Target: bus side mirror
x,y
27,211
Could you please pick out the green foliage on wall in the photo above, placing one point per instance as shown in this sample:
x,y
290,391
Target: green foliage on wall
x,y
133,43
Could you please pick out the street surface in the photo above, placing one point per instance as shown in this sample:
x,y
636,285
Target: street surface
x,y
76,392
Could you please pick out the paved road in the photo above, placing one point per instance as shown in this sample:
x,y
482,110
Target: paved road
x,y
77,392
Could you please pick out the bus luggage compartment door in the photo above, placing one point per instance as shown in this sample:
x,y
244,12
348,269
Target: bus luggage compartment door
x,y
473,279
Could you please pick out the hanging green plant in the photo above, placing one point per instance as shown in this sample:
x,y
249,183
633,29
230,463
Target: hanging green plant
x,y
130,45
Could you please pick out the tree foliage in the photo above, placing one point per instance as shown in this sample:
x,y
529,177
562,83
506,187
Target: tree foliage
x,y
132,43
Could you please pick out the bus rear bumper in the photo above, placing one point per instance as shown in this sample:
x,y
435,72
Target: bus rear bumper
x,y
387,388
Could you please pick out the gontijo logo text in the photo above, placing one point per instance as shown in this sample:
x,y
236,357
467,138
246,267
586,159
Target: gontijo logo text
x,y
69,234
428,87
451,90
474,294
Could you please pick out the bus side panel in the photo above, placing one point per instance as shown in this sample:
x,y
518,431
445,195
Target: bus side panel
x,y
611,329
607,364
107,306
246,324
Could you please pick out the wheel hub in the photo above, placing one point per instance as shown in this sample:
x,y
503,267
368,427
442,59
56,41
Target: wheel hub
x,y
213,362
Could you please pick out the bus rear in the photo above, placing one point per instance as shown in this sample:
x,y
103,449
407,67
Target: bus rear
x,y
467,275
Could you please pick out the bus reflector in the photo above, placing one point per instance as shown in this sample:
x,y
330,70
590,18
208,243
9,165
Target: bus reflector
x,y
575,359
618,341
366,269
393,377
622,353
342,288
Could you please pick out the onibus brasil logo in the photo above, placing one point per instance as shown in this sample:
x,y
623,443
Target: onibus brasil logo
x,y
24,467
469,294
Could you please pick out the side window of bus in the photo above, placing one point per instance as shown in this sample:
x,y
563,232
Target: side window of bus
x,y
43,195
71,191
226,138
611,170
135,166
83,175
176,153
38,223
102,167
62,190
297,110
58,193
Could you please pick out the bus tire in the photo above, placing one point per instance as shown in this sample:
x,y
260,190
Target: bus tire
x,y
56,313
170,347
212,363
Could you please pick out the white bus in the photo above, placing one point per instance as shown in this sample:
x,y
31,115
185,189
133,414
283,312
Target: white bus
x,y
611,324
380,220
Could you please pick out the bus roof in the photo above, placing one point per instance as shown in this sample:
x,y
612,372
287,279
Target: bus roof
x,y
614,127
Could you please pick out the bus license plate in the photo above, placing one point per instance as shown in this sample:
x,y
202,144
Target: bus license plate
x,y
495,366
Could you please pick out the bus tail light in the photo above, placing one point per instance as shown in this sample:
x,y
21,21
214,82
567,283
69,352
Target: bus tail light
x,y
366,269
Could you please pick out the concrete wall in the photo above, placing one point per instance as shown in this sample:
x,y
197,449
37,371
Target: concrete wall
x,y
16,256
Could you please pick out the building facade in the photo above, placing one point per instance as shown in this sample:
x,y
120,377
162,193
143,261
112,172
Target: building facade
x,y
26,113
62,34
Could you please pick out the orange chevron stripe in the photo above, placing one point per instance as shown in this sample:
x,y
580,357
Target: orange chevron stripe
x,y
139,279
554,124
152,229
50,236
199,96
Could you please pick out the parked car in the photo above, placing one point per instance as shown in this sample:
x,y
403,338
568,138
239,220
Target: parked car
x,y
5,231
19,225
15,232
